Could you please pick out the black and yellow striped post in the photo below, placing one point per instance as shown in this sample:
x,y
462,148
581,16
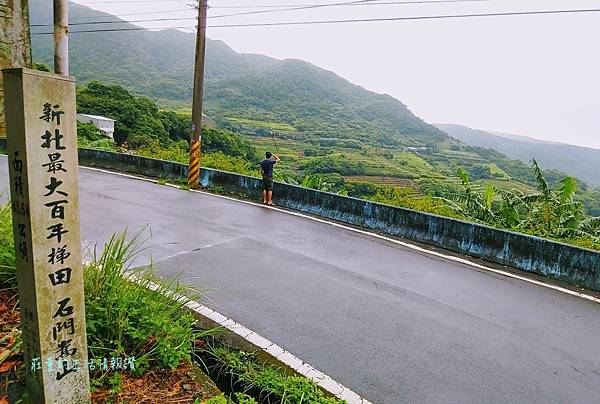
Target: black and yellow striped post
x,y
194,167
196,138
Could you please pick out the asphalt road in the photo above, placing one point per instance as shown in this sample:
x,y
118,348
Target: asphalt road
x,y
394,325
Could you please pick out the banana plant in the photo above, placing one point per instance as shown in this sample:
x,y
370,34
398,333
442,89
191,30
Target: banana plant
x,y
478,205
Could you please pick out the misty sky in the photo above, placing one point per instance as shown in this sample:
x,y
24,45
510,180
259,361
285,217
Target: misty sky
x,y
537,76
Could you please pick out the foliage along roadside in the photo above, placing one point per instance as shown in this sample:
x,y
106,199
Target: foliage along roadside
x,y
7,249
125,318
248,373
131,318
549,213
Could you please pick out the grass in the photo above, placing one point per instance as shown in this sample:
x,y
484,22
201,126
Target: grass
x,y
128,318
146,319
277,126
7,249
508,185
238,398
497,171
273,383
383,181
412,160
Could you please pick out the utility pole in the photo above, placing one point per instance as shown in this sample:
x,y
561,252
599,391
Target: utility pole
x,y
61,37
196,135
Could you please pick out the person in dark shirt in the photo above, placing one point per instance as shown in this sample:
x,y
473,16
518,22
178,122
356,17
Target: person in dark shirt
x,y
266,168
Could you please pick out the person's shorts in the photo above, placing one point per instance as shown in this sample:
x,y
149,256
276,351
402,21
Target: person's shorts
x,y
268,183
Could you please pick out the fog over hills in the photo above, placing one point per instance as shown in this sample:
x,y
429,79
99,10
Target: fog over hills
x,y
581,162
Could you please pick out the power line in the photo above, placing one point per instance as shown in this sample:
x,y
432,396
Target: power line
x,y
229,15
427,17
375,2
305,7
347,3
318,22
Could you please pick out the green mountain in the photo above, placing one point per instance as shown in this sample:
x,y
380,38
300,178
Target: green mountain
x,y
581,162
241,89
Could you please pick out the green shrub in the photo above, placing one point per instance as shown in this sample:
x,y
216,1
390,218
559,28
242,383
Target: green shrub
x,y
41,67
220,161
130,318
238,398
7,249
134,115
406,198
214,140
361,189
268,379
177,151
124,317
88,132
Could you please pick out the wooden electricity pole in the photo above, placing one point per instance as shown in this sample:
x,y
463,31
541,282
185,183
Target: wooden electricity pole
x,y
196,135
61,37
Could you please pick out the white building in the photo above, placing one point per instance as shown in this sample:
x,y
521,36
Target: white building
x,y
104,124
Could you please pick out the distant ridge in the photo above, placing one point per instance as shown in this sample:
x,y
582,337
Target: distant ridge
x,y
523,138
578,161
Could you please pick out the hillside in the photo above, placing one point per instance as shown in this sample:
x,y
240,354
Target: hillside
x,y
305,99
581,162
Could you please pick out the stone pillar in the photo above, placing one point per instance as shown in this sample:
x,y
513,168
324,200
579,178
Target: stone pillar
x,y
43,166
15,44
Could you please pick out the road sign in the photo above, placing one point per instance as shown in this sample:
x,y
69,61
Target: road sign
x,y
42,146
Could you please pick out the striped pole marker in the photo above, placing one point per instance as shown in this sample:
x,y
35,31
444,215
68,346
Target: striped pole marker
x,y
194,167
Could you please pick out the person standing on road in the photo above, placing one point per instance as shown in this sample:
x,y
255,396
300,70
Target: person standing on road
x,y
266,168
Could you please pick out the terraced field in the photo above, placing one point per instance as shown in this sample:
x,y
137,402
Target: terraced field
x,y
385,181
385,167
275,126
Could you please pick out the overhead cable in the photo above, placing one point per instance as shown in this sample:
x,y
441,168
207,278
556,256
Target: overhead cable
x,y
384,19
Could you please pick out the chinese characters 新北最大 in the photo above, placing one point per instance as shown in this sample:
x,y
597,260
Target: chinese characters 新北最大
x,y
57,202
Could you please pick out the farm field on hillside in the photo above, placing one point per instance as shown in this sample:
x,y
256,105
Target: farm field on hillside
x,y
383,166
384,181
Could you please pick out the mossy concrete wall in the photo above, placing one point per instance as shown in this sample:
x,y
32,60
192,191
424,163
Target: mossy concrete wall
x,y
133,164
15,44
574,265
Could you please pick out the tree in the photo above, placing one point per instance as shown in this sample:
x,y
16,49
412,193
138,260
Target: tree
x,y
137,118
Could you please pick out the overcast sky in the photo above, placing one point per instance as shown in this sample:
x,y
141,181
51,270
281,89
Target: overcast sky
x,y
537,76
